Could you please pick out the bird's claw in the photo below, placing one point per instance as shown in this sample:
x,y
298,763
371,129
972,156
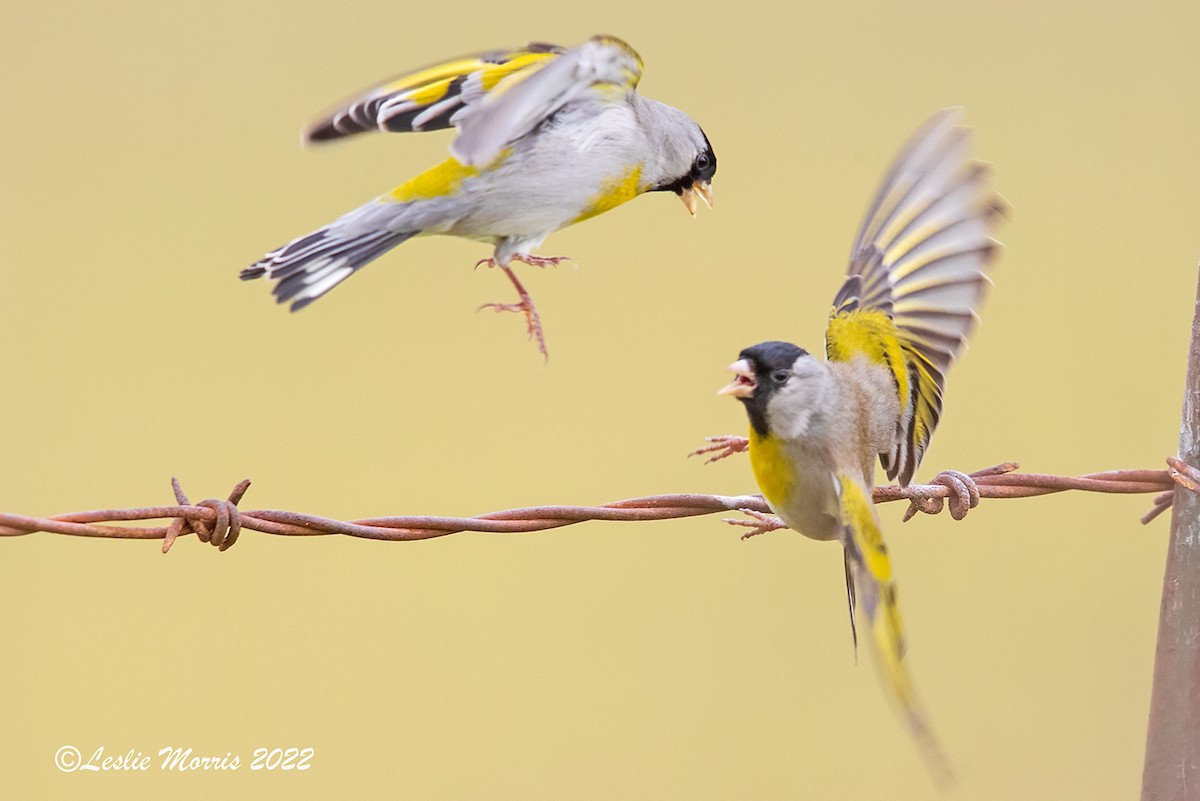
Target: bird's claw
x,y
533,322
543,261
760,524
721,447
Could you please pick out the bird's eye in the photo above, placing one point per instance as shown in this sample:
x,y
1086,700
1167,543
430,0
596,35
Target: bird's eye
x,y
781,376
700,165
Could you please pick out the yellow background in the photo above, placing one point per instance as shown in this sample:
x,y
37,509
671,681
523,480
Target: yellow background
x,y
149,151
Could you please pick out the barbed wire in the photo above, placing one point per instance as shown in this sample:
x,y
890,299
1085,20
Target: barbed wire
x,y
220,521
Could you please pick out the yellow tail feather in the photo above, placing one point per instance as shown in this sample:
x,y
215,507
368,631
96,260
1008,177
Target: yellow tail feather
x,y
875,594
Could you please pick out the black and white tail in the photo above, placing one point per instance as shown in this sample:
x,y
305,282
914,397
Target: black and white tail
x,y
308,267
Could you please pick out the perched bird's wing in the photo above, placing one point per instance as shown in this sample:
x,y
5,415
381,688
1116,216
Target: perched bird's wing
x,y
429,99
916,276
492,98
869,571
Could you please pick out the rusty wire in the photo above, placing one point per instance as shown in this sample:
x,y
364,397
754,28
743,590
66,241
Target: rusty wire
x,y
219,522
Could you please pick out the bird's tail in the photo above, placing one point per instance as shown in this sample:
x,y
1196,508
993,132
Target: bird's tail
x,y
308,267
869,571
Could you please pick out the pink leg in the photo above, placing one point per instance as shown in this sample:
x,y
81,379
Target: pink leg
x,y
722,447
533,323
761,524
542,261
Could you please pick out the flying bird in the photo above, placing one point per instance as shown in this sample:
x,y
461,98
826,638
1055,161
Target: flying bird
x,y
546,137
917,275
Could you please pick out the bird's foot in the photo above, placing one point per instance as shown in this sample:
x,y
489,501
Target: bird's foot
x,y
721,447
542,261
533,322
761,523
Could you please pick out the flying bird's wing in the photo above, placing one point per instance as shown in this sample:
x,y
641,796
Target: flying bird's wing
x,y
604,68
491,98
428,99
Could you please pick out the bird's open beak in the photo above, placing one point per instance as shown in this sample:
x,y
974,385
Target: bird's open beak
x,y
702,190
742,386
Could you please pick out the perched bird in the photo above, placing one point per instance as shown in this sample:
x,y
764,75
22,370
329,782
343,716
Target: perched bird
x,y
547,137
916,277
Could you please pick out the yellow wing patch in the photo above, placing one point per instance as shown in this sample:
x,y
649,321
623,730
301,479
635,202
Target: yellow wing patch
x,y
870,333
428,99
613,193
434,76
430,93
492,74
920,260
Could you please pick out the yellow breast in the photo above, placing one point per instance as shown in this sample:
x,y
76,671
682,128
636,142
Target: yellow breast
x,y
613,192
773,470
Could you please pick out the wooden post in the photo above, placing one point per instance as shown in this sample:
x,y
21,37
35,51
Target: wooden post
x,y
1172,767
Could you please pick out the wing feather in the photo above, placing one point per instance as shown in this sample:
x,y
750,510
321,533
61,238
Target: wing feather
x,y
428,99
492,98
919,261
521,103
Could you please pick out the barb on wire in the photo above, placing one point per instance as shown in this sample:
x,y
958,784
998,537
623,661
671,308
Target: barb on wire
x,y
219,522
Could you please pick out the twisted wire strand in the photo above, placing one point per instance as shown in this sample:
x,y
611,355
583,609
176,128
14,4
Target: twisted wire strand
x,y
219,522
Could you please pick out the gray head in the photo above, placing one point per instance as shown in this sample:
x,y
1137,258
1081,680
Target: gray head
x,y
781,386
681,160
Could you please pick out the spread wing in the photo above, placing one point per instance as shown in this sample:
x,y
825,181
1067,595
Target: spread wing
x,y
492,98
428,99
873,592
916,277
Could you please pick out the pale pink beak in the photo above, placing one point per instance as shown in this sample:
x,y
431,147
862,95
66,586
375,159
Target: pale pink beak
x,y
701,190
743,386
